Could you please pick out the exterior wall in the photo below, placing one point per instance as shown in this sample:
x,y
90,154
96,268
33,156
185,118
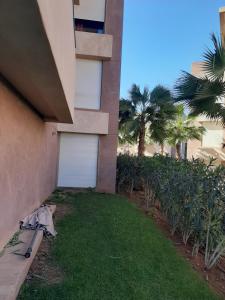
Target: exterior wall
x,y
213,136
57,17
28,160
90,10
93,45
222,22
196,69
87,121
88,85
110,98
37,54
193,147
97,87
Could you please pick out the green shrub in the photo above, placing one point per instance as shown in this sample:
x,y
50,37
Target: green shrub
x,y
128,172
191,196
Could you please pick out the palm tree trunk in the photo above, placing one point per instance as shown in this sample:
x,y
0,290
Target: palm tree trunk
x,y
141,140
178,149
162,149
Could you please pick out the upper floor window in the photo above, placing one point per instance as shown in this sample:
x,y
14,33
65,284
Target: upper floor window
x,y
89,26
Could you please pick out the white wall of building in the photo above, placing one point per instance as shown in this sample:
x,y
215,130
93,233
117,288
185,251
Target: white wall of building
x,y
90,10
213,136
88,85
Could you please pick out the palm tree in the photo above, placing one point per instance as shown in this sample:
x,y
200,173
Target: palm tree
x,y
141,111
159,134
182,129
206,95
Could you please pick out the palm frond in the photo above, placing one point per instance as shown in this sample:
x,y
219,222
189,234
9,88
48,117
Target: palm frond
x,y
135,94
187,86
126,111
160,94
214,60
128,132
183,128
211,89
202,95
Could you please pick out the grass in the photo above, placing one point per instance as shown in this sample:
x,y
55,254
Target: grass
x,y
108,249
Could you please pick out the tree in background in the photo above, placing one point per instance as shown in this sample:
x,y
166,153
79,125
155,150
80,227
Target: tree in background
x,y
144,111
182,129
206,95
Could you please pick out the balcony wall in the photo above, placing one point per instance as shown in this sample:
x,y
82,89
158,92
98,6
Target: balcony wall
x,y
57,17
90,122
93,45
37,54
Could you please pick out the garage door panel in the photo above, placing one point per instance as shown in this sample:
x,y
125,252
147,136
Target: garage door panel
x,y
78,160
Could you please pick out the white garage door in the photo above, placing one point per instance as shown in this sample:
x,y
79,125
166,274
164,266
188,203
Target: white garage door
x,y
78,160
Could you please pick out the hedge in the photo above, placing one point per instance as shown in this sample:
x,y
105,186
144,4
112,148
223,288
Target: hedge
x,y
190,194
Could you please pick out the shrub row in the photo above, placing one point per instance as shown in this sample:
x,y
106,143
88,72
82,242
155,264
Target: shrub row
x,y
191,195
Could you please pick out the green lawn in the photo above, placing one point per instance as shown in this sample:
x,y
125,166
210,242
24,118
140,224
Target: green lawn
x,y
109,250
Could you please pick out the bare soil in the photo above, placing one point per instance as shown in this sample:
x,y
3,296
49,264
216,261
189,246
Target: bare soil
x,y
215,276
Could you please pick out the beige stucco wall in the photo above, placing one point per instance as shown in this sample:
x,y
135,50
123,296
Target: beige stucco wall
x,y
93,45
90,10
107,155
28,161
87,121
196,69
37,54
57,17
213,136
193,147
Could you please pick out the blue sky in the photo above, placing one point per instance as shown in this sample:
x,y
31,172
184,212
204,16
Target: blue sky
x,y
163,37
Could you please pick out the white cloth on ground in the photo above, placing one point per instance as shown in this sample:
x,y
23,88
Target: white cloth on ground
x,y
41,218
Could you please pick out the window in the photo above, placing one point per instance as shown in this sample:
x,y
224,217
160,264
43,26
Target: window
x,y
88,85
89,26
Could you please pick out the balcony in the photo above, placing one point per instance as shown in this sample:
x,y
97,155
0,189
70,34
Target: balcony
x,y
37,54
87,121
91,45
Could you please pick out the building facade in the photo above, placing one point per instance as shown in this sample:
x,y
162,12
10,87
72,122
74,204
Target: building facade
x,y
36,92
212,143
87,154
59,100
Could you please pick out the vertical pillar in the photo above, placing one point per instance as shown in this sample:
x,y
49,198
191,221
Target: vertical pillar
x,y
110,98
222,23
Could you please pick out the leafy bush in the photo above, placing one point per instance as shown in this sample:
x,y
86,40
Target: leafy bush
x,y
128,172
191,196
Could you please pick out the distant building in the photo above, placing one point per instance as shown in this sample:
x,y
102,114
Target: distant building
x,y
212,143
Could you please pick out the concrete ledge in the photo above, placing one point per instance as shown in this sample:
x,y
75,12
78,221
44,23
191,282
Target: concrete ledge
x,y
93,45
87,121
14,268
37,54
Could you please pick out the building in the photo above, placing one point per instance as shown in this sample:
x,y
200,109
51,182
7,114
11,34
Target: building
x,y
87,155
59,92
211,144
213,140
